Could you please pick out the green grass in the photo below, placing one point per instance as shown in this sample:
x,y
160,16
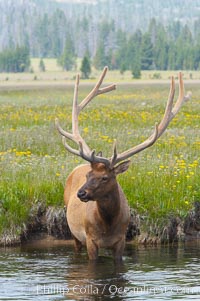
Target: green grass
x,y
162,180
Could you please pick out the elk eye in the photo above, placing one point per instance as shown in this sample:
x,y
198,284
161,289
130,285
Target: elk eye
x,y
104,178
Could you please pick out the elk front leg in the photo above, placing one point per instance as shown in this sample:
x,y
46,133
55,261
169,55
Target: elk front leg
x,y
92,249
118,249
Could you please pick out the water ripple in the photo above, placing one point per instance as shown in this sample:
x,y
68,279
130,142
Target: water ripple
x,y
57,274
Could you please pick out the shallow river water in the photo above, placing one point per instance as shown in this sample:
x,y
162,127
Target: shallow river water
x,y
55,273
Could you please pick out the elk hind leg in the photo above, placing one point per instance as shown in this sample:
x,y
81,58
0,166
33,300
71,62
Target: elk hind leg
x,y
77,244
92,249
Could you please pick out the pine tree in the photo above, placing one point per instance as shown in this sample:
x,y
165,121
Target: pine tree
x,y
57,33
171,56
121,52
67,59
42,35
134,54
85,67
103,55
42,66
100,59
136,68
161,48
146,53
197,57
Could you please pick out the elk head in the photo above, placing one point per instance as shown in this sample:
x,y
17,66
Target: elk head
x,y
100,181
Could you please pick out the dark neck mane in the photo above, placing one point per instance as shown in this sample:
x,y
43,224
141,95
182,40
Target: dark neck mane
x,y
109,207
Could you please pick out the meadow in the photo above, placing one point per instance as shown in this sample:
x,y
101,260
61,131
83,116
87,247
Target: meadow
x,y
162,182
55,75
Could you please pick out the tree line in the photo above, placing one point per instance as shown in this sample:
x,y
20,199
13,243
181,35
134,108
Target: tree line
x,y
173,47
159,48
15,60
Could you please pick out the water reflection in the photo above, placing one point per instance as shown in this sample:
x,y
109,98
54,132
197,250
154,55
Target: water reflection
x,y
56,273
96,280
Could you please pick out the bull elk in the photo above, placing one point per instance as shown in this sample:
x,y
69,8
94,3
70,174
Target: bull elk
x,y
97,209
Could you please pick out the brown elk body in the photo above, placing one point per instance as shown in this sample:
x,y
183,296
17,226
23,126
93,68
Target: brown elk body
x,y
97,209
101,219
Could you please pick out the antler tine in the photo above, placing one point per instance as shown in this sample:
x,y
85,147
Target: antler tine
x,y
75,113
75,129
69,148
114,156
168,110
181,98
136,149
61,131
75,136
172,112
92,157
159,129
84,151
96,91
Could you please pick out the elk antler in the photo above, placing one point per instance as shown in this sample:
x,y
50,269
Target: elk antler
x,y
84,150
159,129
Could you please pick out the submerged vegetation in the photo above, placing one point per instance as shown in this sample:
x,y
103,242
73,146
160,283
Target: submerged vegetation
x,y
162,181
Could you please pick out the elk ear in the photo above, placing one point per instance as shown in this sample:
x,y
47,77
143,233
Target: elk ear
x,y
122,167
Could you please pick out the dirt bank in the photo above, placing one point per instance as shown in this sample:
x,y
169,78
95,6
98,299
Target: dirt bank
x,y
51,223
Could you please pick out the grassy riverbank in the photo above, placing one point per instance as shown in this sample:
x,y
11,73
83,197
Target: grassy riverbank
x,y
162,181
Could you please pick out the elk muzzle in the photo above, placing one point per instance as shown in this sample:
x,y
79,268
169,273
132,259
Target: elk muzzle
x,y
82,194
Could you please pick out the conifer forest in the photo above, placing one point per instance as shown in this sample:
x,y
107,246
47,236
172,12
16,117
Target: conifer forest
x,y
122,34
